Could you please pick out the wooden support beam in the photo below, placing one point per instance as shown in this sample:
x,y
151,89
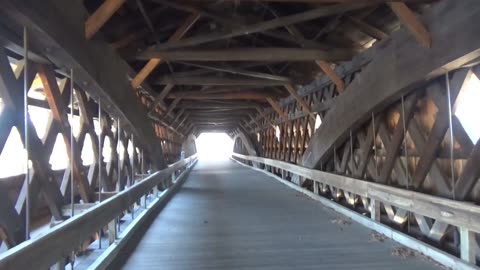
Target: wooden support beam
x,y
11,91
215,81
408,18
327,69
470,174
10,221
468,245
277,108
96,66
394,147
180,113
324,11
305,107
159,98
262,113
367,28
173,105
234,95
153,63
248,54
183,120
101,16
440,126
395,71
238,71
59,112
216,105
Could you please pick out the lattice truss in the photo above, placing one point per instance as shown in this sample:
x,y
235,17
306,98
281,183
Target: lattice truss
x,y
50,189
405,145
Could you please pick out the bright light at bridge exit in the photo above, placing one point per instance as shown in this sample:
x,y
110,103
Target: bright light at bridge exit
x,y
214,146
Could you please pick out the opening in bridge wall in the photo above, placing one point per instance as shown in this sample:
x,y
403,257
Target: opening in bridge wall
x,y
214,146
466,107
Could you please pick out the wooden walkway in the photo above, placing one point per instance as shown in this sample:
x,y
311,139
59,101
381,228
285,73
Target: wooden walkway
x,y
230,217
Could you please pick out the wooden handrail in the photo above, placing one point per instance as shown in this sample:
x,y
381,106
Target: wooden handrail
x,y
460,214
46,250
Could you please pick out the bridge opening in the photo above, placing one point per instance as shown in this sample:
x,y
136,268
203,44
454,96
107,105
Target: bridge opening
x,y
214,146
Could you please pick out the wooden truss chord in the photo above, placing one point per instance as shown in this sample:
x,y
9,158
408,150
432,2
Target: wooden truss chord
x,y
153,63
266,25
327,69
270,54
58,109
101,16
408,18
277,108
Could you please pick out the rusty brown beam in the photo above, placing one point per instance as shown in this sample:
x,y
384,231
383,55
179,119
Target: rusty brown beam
x,y
277,108
101,16
153,63
408,18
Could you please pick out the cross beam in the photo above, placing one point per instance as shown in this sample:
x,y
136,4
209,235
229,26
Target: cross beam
x,y
274,54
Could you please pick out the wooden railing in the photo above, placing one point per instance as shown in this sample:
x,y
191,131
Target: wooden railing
x,y
62,240
464,215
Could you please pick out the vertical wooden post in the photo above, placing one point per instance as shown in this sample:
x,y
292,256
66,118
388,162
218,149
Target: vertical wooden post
x,y
315,187
173,177
60,265
468,245
112,231
375,210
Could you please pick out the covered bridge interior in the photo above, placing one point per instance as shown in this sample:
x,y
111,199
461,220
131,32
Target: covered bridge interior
x,y
367,110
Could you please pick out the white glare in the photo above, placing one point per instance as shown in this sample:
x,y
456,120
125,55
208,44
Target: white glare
x,y
467,109
214,146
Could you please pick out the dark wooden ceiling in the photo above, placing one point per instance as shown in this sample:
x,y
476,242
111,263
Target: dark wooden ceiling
x,y
222,61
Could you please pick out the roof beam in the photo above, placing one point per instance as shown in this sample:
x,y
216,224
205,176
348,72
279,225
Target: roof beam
x,y
173,105
249,54
192,105
215,81
327,69
179,113
408,18
159,98
227,96
267,25
277,108
153,63
101,16
323,65
305,107
238,71
368,28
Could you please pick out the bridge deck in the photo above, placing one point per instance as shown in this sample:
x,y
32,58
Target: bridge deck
x,y
230,217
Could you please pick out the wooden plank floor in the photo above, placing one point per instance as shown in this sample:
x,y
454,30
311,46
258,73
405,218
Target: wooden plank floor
x,y
230,217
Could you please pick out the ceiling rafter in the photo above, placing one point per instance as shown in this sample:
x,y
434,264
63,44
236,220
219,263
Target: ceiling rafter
x,y
101,16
